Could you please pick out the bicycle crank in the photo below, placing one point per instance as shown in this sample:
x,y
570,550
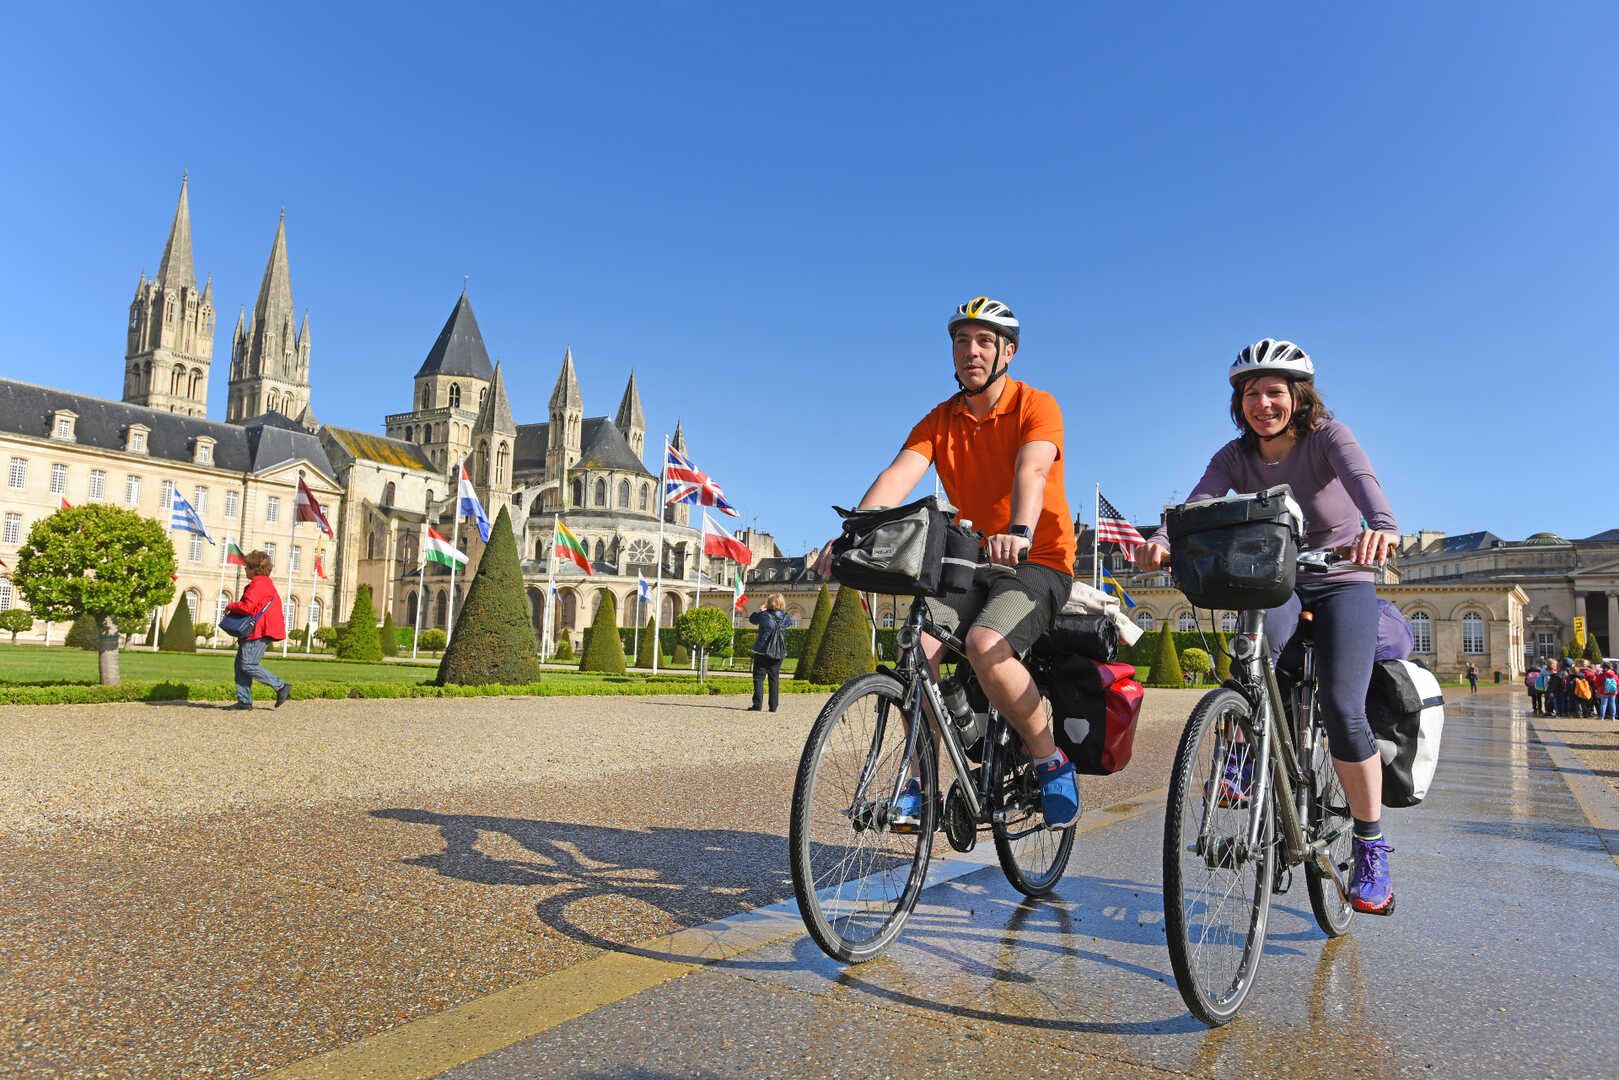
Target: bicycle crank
x,y
959,827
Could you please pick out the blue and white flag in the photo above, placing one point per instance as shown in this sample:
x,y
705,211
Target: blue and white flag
x,y
646,589
470,506
186,518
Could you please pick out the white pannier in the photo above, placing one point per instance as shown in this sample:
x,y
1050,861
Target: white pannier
x,y
1407,714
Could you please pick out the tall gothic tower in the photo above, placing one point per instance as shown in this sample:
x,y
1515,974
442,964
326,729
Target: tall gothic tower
x,y
630,420
269,363
565,430
451,391
495,433
171,329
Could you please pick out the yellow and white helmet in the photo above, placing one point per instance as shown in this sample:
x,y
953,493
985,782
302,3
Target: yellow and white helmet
x,y
1271,357
982,309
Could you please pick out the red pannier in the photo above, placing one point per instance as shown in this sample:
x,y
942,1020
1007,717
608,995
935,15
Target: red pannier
x,y
1095,707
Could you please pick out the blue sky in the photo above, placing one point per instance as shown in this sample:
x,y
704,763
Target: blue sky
x,y
768,214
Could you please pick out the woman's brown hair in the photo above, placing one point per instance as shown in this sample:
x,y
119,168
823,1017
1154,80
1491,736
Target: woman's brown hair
x,y
776,601
257,564
1309,411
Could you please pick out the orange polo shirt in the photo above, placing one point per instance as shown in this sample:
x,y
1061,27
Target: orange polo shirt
x,y
977,462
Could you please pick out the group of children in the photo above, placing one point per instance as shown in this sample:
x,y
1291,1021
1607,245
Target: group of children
x,y
1573,689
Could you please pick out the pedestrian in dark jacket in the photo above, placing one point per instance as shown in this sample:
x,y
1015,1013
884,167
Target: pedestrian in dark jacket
x,y
259,596
1472,677
1565,688
1531,682
769,647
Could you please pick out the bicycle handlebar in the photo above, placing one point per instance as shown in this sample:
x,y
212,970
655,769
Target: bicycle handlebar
x,y
1320,560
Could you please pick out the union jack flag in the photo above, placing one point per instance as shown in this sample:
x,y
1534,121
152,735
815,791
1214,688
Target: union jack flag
x,y
685,482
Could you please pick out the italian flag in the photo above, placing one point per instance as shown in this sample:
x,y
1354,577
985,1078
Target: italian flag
x,y
569,547
233,554
739,594
441,551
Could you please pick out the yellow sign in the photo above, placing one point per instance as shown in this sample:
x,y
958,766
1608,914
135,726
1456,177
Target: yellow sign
x,y
1579,630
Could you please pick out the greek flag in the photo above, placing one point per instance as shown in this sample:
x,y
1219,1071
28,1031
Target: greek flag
x,y
186,518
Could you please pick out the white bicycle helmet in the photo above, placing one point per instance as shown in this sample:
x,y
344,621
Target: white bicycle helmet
x,y
982,309
1275,357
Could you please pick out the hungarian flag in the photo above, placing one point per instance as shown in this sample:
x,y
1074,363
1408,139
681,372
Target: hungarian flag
x,y
233,554
1111,525
320,558
305,508
441,551
716,541
568,546
739,592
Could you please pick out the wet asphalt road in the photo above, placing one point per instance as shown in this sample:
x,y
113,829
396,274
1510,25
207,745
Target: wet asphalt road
x,y
1498,963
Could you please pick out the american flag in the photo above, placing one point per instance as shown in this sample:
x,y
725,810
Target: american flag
x,y
685,482
1112,525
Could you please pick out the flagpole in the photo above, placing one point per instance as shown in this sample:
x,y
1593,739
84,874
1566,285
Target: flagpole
x,y
292,538
1096,541
547,629
455,542
213,641
421,592
657,599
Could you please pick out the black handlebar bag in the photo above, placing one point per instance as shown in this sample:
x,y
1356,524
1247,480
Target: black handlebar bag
x,y
911,550
1237,552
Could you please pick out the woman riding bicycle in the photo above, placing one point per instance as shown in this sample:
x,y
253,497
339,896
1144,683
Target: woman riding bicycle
x,y
1289,437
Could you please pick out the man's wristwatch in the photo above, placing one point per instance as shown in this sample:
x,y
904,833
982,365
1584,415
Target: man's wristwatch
x,y
1020,530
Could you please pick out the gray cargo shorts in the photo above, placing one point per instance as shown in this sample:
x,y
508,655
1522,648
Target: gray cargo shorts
x,y
1017,604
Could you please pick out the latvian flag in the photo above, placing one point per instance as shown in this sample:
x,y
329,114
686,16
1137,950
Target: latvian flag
x,y
305,508
685,482
716,541
441,551
1112,526
568,547
233,554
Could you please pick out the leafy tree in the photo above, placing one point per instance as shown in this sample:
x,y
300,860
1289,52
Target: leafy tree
x,y
649,642
98,560
82,634
327,635
203,630
1166,666
494,640
179,635
1222,657
604,649
817,630
358,639
1197,662
434,639
16,620
705,629
846,646
390,636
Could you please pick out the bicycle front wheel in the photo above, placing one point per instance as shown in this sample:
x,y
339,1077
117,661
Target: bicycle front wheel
x,y
1332,826
1032,856
858,860
1217,888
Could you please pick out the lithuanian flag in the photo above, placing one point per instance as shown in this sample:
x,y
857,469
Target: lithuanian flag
x,y
569,547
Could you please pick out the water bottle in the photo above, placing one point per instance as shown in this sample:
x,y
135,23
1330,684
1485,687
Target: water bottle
x,y
956,703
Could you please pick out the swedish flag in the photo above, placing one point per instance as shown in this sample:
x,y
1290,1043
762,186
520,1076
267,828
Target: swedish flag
x,y
1111,586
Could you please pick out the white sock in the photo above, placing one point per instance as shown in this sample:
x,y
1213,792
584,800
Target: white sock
x,y
1056,758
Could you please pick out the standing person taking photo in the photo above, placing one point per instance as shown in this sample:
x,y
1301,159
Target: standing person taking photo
x,y
769,648
259,598
1289,437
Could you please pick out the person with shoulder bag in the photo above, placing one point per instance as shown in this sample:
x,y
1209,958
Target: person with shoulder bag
x,y
261,602
1608,691
769,649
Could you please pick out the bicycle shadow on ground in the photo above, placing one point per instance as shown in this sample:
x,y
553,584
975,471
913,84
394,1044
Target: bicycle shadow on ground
x,y
688,877
1586,838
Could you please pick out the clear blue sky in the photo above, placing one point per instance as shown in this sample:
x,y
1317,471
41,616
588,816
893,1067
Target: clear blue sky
x,y
768,213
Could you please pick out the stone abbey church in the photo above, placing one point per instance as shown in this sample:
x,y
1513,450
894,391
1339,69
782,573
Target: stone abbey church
x,y
380,492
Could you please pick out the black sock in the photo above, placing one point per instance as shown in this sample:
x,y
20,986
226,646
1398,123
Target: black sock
x,y
1369,830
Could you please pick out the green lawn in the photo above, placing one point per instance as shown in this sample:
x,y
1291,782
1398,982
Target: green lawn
x,y
35,664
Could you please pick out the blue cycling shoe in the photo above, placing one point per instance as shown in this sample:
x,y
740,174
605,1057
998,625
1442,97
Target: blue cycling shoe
x,y
1059,797
906,813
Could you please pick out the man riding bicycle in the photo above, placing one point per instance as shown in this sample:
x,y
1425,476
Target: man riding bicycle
x,y
996,445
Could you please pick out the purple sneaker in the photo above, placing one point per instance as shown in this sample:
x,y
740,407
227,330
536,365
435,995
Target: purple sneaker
x,y
1238,781
1372,891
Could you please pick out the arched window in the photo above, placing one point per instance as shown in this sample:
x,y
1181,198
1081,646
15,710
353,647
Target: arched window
x,y
1473,633
177,380
624,494
388,494
483,395
410,608
1145,620
410,433
5,594
289,611
888,620
601,553
219,607
441,611
646,495
601,492
193,604
1228,621
483,462
578,492
425,397
1186,622
569,615
429,496
314,611
501,453
1421,632
455,395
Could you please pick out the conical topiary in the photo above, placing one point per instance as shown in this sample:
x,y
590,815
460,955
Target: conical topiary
x,y
1592,652
1222,657
1166,663
681,657
494,640
604,650
846,646
649,642
817,630
83,633
390,636
358,639
179,635
564,647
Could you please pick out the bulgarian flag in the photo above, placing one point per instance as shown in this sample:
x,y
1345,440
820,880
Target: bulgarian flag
x,y
441,551
233,554
569,547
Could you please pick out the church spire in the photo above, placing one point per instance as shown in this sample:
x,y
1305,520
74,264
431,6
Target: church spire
x,y
176,270
274,305
270,363
630,419
566,397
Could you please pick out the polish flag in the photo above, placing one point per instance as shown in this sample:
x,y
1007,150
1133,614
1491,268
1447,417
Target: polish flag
x,y
716,541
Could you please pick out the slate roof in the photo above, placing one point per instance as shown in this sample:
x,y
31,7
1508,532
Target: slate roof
x,y
797,570
459,349
1608,536
601,446
1462,543
366,446
262,443
529,456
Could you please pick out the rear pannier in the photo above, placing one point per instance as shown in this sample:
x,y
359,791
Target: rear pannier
x,y
1407,714
1094,710
1236,552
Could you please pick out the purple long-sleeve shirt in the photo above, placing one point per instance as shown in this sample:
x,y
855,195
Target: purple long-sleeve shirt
x,y
1331,477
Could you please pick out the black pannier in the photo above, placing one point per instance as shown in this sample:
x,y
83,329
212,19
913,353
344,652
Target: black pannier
x,y
911,550
1238,552
1094,636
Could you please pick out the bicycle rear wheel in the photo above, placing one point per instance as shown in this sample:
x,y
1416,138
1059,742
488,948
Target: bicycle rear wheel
x,y
1216,889
1330,822
1032,856
857,872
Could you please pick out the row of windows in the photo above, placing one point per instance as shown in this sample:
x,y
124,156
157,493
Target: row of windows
x,y
600,493
96,490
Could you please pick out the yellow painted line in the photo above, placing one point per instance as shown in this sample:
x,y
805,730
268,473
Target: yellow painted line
x,y
434,1044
